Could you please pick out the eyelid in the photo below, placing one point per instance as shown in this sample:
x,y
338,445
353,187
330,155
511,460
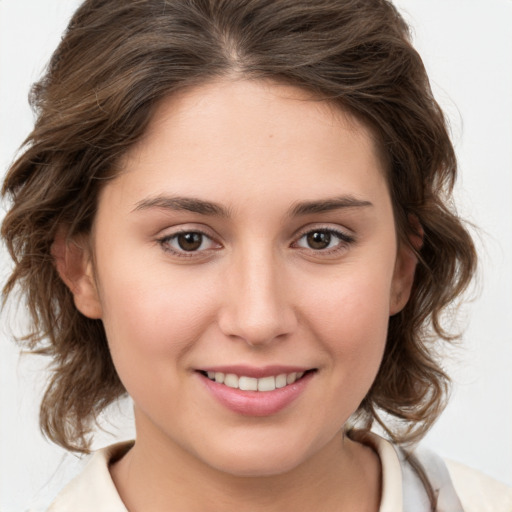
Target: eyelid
x,y
342,232
164,239
345,239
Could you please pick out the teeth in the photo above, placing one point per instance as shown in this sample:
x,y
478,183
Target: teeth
x,y
267,384
281,381
231,380
291,378
252,384
248,384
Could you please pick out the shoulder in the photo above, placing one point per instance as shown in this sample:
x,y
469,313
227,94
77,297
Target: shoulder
x,y
479,492
457,487
93,489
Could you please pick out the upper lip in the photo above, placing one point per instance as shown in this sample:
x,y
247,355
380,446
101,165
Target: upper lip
x,y
255,372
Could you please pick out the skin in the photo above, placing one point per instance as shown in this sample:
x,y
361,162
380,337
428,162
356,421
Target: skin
x,y
255,292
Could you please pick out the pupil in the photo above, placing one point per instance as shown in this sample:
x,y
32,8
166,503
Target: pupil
x,y
190,241
319,239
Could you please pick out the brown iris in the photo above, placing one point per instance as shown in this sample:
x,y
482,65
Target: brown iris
x,y
319,239
190,241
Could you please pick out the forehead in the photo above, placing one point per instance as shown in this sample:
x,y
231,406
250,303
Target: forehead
x,y
221,136
254,108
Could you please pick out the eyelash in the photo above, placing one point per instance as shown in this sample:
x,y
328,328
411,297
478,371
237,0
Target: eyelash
x,y
166,240
344,240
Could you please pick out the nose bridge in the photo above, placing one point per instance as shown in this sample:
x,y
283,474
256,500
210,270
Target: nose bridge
x,y
258,308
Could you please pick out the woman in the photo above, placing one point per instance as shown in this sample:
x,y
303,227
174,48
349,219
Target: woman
x,y
235,212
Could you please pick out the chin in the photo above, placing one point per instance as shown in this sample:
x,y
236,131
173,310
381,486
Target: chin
x,y
260,459
257,467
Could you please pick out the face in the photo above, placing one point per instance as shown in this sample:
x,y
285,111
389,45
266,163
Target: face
x,y
244,263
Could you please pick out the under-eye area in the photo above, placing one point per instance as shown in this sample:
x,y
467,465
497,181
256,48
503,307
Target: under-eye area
x,y
245,383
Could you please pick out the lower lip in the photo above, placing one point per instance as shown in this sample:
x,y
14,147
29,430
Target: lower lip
x,y
257,403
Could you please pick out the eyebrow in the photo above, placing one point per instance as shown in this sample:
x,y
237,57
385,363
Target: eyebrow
x,y
189,204
202,207
327,205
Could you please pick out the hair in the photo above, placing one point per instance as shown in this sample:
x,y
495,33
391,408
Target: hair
x,y
118,60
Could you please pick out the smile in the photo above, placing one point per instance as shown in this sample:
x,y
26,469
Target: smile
x,y
254,391
263,384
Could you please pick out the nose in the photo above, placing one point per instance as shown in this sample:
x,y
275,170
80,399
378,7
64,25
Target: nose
x,y
257,307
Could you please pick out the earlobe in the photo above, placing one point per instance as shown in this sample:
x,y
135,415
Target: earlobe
x,y
405,268
73,262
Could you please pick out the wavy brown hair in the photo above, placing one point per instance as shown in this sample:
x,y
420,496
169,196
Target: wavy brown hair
x,y
118,59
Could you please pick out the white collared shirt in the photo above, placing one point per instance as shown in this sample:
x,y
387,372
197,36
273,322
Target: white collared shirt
x,y
459,489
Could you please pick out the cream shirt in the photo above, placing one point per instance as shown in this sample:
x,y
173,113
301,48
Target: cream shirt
x,y
460,489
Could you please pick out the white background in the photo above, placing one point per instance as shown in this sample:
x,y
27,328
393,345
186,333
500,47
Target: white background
x,y
467,48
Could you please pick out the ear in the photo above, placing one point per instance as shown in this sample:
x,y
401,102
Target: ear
x,y
405,268
73,261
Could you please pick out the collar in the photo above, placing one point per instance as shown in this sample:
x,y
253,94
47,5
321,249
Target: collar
x,y
93,488
402,490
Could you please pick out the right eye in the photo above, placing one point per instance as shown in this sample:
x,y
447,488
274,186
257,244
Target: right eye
x,y
186,243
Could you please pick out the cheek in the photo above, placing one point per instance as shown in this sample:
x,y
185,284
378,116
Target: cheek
x,y
151,326
350,316
149,314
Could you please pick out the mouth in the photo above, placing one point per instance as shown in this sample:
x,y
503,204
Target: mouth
x,y
262,384
256,392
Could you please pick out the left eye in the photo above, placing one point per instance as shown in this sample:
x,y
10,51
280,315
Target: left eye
x,y
187,241
322,239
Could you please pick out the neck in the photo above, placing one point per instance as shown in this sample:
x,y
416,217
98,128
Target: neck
x,y
157,475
